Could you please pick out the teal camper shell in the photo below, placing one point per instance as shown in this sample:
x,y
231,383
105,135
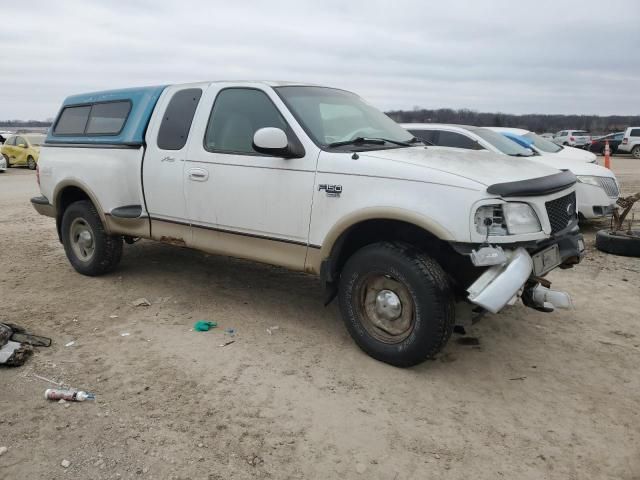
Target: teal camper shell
x,y
110,117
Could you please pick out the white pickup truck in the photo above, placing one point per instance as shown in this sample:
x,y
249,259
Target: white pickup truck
x,y
312,179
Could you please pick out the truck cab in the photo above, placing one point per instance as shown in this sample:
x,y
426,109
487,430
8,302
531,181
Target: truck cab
x,y
313,179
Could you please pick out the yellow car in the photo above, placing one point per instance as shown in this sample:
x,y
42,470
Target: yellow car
x,y
22,150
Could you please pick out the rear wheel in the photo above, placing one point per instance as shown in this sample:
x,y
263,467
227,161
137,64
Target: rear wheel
x,y
6,159
31,163
396,303
636,151
89,248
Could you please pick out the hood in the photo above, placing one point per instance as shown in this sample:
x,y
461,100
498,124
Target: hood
x,y
482,167
574,154
576,166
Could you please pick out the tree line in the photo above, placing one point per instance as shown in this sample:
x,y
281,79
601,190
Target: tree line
x,y
539,123
24,123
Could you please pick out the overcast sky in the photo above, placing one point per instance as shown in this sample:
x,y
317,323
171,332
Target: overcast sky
x,y
509,56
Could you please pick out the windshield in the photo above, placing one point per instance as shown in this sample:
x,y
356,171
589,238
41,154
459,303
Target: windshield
x,y
542,144
330,116
502,143
35,140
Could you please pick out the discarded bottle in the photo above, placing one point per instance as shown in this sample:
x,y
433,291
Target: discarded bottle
x,y
68,395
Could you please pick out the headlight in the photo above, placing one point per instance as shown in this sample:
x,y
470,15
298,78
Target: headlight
x,y
510,218
588,180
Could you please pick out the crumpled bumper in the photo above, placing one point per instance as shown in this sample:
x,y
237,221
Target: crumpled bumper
x,y
500,283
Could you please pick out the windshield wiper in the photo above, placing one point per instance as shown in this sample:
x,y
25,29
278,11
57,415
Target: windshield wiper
x,y
368,140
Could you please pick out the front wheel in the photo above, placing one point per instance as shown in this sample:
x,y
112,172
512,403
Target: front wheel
x,y
396,303
89,248
31,163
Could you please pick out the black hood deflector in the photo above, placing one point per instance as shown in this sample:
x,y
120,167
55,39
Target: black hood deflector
x,y
535,186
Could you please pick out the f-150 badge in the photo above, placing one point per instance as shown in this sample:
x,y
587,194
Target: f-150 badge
x,y
331,190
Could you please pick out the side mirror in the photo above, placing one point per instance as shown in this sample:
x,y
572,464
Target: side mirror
x,y
271,141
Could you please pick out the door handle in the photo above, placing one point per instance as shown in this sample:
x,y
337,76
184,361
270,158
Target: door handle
x,y
198,174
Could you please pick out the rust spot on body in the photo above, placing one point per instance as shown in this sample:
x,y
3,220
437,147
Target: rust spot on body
x,y
173,241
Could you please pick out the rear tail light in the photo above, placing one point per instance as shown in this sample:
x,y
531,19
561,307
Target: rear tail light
x,y
593,142
572,139
38,174
625,141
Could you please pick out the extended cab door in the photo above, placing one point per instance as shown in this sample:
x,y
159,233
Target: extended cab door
x,y
240,202
164,162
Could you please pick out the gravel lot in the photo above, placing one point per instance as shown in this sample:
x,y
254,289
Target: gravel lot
x,y
553,396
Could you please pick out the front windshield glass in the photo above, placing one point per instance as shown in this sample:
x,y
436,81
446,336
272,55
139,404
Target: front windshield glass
x,y
542,144
35,139
329,116
502,143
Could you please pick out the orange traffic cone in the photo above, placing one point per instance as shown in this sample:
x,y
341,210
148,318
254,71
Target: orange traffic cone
x,y
607,153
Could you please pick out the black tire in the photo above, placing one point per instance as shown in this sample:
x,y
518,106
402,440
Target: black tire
x,y
107,249
423,282
566,144
628,246
31,163
6,159
636,151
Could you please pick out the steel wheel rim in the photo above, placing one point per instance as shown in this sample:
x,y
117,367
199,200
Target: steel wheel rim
x,y
386,308
82,239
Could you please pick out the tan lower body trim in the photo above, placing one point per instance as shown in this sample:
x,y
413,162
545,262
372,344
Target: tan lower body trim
x,y
273,252
133,227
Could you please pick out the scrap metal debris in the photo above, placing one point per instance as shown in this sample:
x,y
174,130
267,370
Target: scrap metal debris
x,y
141,302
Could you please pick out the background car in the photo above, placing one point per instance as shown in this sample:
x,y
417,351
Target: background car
x,y
543,146
598,144
596,191
572,138
22,150
631,142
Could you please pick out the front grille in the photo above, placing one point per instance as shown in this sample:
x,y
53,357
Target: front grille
x,y
561,212
609,185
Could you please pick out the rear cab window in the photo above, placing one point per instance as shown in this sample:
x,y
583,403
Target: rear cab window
x,y
177,119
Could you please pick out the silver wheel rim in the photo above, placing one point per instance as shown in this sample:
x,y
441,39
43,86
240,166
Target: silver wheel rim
x,y
82,239
386,308
31,163
636,152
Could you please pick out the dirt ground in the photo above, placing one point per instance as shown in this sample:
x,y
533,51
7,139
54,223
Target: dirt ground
x,y
540,396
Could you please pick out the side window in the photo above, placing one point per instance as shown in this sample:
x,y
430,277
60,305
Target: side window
x,y
72,121
11,141
107,118
236,115
21,141
453,139
427,135
177,119
635,132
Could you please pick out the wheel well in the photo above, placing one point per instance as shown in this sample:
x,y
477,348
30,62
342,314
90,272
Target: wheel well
x,y
66,197
379,230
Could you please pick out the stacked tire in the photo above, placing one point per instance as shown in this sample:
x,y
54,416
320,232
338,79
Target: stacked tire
x,y
619,243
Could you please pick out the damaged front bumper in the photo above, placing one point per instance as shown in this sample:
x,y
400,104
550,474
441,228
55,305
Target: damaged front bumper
x,y
519,272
